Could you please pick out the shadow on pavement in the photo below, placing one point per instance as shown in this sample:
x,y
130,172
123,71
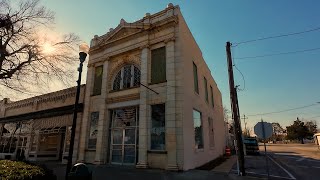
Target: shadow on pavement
x,y
300,164
256,166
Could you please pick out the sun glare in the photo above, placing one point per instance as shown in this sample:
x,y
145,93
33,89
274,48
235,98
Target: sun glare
x,y
47,48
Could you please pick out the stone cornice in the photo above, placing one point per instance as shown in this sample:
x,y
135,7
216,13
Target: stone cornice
x,y
64,110
139,46
54,96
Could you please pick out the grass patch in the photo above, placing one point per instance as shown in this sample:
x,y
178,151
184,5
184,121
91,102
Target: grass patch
x,y
16,170
212,164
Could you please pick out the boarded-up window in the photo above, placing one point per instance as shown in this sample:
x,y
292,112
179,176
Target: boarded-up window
x,y
195,78
158,65
205,88
92,142
97,80
211,133
212,100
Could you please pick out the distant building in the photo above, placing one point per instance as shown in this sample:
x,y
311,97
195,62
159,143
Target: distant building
x,y
149,101
38,128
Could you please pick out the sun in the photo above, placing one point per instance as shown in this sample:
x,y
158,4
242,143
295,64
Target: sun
x,y
47,48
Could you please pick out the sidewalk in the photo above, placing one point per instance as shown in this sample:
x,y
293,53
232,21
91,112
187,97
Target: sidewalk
x,y
227,169
226,166
125,173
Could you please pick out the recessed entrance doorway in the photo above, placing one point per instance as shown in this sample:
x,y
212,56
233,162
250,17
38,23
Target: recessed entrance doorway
x,y
124,136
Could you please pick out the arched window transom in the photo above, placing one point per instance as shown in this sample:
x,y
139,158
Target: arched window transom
x,y
127,77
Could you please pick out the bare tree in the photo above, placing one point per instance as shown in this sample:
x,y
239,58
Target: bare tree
x,y
28,58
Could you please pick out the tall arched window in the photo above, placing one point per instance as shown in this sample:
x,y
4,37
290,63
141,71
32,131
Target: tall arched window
x,y
128,76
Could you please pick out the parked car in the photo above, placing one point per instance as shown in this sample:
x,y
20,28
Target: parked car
x,y
251,145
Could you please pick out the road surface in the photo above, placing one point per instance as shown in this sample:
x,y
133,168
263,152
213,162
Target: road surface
x,y
302,161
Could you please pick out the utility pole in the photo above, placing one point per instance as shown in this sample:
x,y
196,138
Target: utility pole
x,y
245,124
235,110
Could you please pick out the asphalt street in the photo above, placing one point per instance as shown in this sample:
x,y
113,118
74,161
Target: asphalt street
x,y
300,161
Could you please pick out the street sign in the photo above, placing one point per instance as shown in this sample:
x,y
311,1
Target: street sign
x,y
268,130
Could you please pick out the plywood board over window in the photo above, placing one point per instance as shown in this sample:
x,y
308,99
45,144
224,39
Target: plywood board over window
x,y
158,65
97,80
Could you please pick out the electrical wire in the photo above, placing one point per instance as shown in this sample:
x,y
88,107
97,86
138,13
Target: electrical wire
x,y
234,64
276,54
302,107
278,36
244,81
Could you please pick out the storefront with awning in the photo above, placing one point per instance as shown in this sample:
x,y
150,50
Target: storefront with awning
x,y
36,139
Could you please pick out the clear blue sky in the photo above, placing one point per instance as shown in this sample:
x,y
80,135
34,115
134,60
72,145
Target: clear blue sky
x,y
272,83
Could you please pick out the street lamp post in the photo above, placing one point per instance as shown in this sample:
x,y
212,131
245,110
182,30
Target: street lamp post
x,y
83,51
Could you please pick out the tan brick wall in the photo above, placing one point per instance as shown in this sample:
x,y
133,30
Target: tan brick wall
x,y
190,52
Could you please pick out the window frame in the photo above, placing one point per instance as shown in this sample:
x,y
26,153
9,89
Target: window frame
x,y
97,90
196,146
164,126
153,79
195,78
211,135
132,78
212,98
90,126
205,84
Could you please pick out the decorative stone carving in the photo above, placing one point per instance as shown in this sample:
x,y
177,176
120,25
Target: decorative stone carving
x,y
147,15
122,21
169,5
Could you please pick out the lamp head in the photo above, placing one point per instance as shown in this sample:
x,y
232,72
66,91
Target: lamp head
x,y
83,51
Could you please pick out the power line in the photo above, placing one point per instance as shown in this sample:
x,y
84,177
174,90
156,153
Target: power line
x,y
302,107
276,54
244,81
278,36
234,64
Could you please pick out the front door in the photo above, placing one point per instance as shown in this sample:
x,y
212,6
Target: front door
x,y
124,136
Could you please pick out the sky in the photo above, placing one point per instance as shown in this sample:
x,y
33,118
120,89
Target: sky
x,y
270,84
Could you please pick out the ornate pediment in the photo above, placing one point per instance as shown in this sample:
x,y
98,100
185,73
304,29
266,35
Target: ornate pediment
x,y
123,32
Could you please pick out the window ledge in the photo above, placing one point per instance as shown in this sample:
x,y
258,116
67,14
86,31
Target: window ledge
x,y
157,82
157,151
95,95
199,150
90,150
112,91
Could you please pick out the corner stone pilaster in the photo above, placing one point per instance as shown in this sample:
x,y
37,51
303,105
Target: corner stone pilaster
x,y
103,115
171,139
85,117
143,130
